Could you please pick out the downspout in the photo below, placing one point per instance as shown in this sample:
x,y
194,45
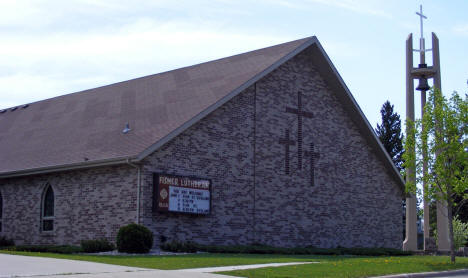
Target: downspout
x,y
138,188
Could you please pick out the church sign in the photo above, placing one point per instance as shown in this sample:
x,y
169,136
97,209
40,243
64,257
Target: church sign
x,y
182,194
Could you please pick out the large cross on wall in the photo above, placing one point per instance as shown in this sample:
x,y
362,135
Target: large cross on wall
x,y
287,141
300,113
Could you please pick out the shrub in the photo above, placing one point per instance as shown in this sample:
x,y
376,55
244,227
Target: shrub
x,y
5,242
134,238
96,245
177,246
460,233
61,249
190,247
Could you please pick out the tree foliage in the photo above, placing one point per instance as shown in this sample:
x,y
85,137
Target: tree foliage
x,y
460,233
389,133
445,129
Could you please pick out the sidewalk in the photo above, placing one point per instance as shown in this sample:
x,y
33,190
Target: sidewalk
x,y
441,274
28,266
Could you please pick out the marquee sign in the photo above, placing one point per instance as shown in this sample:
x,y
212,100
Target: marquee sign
x,y
182,194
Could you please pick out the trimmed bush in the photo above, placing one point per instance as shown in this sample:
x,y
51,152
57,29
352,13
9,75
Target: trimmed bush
x,y
60,249
5,242
96,245
134,238
180,247
190,247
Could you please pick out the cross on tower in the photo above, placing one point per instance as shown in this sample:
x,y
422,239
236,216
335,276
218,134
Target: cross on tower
x,y
313,156
421,17
286,142
300,113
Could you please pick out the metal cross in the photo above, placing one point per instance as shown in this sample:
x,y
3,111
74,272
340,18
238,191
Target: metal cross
x,y
300,114
286,142
421,17
313,155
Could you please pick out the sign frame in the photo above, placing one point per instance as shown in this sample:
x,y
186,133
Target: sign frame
x,y
156,196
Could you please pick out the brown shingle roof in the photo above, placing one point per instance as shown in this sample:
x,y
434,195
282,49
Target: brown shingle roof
x,y
86,127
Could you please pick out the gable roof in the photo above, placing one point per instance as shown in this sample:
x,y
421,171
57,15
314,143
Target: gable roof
x,y
84,129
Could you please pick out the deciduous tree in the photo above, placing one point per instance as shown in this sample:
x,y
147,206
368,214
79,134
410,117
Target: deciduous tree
x,y
445,130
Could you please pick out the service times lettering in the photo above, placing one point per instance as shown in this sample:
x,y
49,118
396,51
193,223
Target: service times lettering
x,y
189,200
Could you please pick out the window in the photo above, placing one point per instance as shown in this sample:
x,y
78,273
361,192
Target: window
x,y
48,209
1,211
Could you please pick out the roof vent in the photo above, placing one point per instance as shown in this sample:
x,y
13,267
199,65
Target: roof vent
x,y
14,108
25,106
126,129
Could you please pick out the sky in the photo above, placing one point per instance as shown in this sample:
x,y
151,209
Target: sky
x,y
51,48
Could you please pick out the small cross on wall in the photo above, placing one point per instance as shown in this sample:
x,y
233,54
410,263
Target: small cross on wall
x,y
313,156
286,141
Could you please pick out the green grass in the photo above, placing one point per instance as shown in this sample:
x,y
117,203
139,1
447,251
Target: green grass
x,y
356,267
329,266
177,261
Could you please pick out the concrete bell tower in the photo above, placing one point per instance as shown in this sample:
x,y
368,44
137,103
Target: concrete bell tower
x,y
422,73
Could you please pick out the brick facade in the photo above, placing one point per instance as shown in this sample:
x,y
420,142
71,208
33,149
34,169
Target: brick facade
x,y
330,190
89,204
353,202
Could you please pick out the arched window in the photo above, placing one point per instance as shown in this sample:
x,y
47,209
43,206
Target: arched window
x,y
1,211
48,209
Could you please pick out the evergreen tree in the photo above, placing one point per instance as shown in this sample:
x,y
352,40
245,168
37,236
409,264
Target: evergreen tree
x,y
389,133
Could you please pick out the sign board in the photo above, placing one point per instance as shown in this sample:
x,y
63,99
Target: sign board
x,y
182,194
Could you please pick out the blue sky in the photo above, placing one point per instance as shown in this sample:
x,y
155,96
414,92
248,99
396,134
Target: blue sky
x,y
51,48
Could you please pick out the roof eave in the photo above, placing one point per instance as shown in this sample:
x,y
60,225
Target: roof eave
x,y
66,167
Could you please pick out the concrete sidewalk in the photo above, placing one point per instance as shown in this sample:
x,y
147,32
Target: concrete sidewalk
x,y
26,266
439,274
239,267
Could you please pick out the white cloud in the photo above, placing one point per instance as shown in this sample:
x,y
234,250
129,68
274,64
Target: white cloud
x,y
461,29
361,6
38,67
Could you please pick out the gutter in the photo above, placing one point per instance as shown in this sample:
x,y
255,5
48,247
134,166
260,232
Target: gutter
x,y
66,167
138,188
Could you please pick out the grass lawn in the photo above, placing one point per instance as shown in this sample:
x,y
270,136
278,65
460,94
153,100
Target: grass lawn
x,y
178,261
357,267
329,266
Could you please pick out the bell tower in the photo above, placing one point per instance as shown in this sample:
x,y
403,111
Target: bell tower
x,y
422,72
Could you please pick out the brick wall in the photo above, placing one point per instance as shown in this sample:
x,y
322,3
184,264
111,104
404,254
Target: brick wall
x,y
89,204
350,201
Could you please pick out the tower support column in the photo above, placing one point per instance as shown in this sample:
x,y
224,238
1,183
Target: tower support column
x,y
443,240
411,238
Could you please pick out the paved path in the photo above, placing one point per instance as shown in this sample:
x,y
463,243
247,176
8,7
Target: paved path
x,y
440,274
28,266
237,267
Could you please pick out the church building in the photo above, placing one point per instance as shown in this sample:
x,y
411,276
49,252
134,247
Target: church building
x,y
267,146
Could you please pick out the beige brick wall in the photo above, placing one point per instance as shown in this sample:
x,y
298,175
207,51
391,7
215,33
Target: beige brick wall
x,y
353,202
89,204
